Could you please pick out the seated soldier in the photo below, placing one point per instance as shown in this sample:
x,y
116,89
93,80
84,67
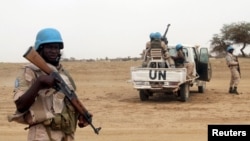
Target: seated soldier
x,y
156,43
165,52
148,45
180,61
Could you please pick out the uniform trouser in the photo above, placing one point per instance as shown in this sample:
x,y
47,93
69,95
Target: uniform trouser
x,y
169,59
190,69
39,133
235,77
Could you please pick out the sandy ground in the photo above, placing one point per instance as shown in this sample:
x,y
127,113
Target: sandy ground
x,y
104,89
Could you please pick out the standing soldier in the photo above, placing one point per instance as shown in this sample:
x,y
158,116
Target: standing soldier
x,y
233,64
48,113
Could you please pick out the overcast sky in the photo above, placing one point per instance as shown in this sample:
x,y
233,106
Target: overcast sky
x,y
113,28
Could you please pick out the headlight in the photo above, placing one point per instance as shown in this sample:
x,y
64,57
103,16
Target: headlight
x,y
171,83
166,83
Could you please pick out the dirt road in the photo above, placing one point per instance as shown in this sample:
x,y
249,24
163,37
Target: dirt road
x,y
104,89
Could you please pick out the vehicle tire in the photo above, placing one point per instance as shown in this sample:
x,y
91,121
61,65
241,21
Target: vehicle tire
x,y
201,89
184,92
143,95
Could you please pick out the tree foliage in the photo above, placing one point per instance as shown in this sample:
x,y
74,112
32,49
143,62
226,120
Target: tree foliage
x,y
235,33
218,45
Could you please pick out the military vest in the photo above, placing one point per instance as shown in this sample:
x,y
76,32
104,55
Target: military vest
x,y
156,43
51,107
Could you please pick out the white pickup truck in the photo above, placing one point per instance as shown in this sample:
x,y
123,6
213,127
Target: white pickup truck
x,y
157,77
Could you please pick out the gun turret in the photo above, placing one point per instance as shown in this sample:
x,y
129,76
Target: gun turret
x,y
164,38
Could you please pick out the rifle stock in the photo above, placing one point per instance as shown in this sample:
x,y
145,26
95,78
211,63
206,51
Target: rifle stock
x,y
37,60
33,56
238,65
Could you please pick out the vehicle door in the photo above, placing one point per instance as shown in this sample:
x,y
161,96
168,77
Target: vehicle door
x,y
203,66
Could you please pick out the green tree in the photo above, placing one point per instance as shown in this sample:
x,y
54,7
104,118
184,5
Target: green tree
x,y
235,33
218,45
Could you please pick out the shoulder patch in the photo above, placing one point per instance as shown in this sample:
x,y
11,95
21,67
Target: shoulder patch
x,y
17,83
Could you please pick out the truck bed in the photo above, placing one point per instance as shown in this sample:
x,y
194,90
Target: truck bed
x,y
157,78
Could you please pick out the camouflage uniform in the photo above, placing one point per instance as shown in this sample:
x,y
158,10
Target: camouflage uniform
x,y
166,55
48,104
148,45
235,75
180,62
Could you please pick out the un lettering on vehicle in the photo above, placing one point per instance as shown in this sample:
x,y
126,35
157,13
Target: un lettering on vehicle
x,y
157,74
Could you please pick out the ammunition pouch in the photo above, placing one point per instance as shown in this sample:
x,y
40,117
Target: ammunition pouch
x,y
65,121
60,122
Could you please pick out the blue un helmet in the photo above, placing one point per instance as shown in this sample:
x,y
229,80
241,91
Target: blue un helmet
x,y
229,48
48,35
151,35
178,46
157,35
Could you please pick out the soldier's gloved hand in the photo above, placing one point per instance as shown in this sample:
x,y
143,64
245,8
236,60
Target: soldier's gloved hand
x,y
46,80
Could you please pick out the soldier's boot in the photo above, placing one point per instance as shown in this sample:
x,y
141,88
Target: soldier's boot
x,y
235,90
231,90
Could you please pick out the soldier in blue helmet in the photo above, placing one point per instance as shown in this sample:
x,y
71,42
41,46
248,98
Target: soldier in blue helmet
x,y
156,42
49,40
181,62
151,37
233,64
159,42
46,111
148,45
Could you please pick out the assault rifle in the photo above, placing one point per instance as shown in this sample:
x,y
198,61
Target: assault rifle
x,y
164,38
37,60
238,65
